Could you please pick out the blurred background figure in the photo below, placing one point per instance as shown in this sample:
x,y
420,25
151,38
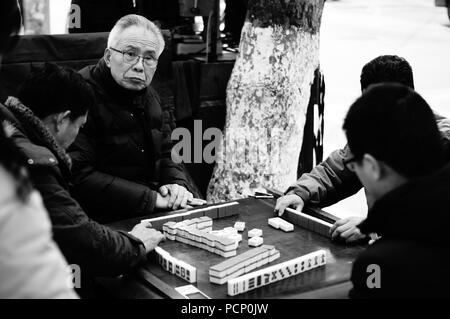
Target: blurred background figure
x,y
101,15
31,265
235,12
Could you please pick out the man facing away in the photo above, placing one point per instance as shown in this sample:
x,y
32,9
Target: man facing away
x,y
395,150
331,181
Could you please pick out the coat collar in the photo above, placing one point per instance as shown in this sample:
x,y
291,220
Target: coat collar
x,y
418,210
101,73
39,137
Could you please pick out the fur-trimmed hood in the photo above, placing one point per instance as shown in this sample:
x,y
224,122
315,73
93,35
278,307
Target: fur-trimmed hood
x,y
32,136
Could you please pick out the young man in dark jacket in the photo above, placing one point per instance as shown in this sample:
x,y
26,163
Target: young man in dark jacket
x,y
330,181
395,150
122,157
57,102
31,264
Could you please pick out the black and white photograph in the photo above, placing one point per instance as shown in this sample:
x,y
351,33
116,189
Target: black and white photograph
x,y
224,156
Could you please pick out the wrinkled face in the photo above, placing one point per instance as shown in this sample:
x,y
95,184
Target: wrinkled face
x,y
134,40
68,130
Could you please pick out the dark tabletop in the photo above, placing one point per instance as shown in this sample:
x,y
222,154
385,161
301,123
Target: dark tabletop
x,y
254,212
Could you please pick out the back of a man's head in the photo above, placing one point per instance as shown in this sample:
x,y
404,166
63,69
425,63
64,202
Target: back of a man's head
x,y
395,125
54,89
387,68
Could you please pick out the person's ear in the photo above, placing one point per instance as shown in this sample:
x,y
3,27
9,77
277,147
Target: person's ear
x,y
107,57
61,119
373,166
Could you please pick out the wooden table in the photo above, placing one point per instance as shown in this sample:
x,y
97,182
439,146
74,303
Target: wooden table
x,y
331,280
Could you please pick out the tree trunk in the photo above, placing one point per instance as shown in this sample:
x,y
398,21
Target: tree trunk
x,y
267,98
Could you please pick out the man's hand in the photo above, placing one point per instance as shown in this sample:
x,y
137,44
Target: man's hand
x,y
289,200
177,196
149,236
162,202
347,229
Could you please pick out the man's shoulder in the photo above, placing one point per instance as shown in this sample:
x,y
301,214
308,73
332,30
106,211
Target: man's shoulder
x,y
87,74
86,71
396,258
402,269
153,94
36,155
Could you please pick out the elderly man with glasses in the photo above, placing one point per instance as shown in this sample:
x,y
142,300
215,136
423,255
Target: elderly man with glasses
x,y
122,157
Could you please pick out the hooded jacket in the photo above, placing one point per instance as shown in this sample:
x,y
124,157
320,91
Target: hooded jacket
x,y
97,249
31,264
412,253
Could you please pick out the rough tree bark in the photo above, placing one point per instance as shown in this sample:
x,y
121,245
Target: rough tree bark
x,y
267,98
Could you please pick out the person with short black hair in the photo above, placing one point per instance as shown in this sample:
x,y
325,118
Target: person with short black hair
x,y
394,124
387,68
331,181
66,86
31,265
58,100
396,151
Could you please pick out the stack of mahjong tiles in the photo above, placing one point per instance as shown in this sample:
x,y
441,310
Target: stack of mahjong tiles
x,y
277,222
242,264
229,232
197,232
171,228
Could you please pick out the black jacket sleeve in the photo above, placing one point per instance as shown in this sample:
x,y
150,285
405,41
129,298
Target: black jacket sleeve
x,y
96,248
169,171
104,194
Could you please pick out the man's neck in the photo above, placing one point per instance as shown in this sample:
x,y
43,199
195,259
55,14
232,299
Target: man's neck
x,y
390,182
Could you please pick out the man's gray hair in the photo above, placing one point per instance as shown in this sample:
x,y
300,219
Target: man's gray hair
x,y
135,20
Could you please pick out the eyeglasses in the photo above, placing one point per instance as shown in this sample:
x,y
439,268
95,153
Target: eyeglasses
x,y
349,163
130,57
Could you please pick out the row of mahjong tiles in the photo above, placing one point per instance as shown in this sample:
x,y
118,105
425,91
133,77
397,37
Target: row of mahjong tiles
x,y
176,266
309,222
213,211
243,263
276,272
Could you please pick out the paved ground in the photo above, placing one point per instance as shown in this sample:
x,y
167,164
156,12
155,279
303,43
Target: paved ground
x,y
356,31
